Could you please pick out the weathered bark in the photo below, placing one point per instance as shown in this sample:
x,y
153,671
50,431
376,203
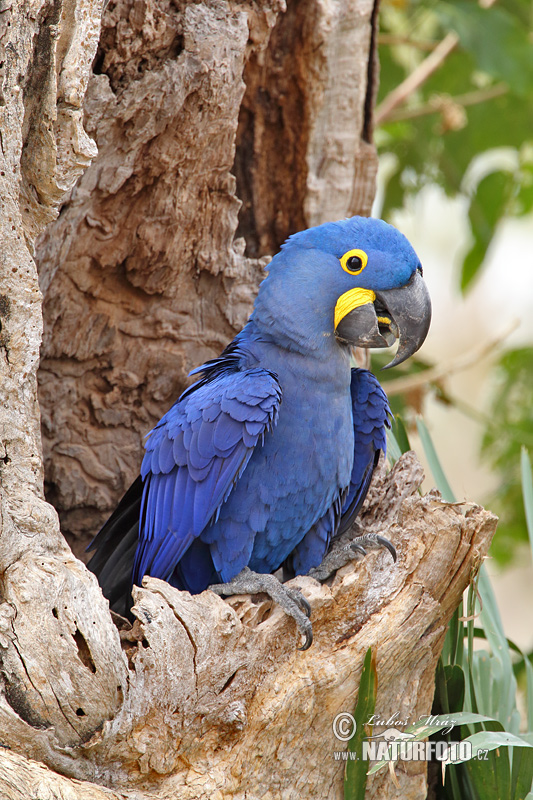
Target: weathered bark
x,y
143,278
46,670
220,703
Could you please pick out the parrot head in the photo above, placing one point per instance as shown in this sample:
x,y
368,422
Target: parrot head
x,y
358,280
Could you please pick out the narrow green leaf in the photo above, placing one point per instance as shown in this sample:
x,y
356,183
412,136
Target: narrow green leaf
x,y
527,492
393,448
521,772
423,729
434,463
490,740
355,775
442,721
400,432
529,692
455,686
499,685
452,651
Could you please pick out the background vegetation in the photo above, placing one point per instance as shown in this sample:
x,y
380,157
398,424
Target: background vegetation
x,y
456,110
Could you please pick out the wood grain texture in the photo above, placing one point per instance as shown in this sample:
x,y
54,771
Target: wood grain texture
x,y
220,703
23,779
52,652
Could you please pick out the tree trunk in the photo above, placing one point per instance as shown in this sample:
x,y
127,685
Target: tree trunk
x,y
148,270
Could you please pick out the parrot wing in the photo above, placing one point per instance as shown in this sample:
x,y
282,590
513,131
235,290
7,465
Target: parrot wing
x,y
371,415
193,459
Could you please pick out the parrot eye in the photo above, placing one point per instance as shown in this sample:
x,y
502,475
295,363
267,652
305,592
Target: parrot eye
x,y
354,261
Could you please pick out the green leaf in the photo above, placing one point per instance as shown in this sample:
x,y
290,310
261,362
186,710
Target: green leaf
x,y
400,433
490,740
393,448
435,724
440,722
495,38
355,775
491,777
487,207
454,679
521,772
491,683
529,692
433,460
452,651
527,491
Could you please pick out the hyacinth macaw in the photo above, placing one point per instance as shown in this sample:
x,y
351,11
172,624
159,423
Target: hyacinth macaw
x,y
269,454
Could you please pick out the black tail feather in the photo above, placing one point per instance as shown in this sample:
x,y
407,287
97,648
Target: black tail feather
x,y
115,545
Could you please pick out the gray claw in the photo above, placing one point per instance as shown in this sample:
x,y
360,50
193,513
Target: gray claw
x,y
373,540
308,639
390,547
300,600
291,601
342,554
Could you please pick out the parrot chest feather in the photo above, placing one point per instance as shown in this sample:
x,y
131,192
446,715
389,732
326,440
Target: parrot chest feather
x,y
291,481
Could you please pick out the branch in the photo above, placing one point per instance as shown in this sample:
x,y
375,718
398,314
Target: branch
x,y
393,40
434,374
428,66
436,103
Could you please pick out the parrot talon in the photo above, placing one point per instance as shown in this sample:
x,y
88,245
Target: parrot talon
x,y
339,556
291,601
374,540
390,547
308,639
301,601
336,558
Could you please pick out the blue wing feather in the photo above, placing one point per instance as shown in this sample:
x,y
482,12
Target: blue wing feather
x,y
193,458
371,415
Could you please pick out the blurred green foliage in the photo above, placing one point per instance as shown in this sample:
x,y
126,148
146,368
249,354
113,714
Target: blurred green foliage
x,y
480,98
468,128
510,427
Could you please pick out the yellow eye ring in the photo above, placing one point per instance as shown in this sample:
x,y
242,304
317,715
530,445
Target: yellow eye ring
x,y
354,261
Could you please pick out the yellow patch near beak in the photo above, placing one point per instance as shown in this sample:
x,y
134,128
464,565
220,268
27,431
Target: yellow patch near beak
x,y
350,300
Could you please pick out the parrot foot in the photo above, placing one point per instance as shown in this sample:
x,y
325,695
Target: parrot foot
x,y
340,556
291,601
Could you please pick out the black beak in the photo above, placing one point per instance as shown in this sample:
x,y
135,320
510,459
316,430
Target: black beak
x,y
403,313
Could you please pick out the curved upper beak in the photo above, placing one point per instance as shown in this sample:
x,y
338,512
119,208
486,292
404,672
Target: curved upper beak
x,y
403,313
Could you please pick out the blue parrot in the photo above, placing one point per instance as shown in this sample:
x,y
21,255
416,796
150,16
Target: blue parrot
x,y
269,455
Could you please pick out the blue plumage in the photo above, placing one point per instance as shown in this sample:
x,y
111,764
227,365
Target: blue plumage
x,y
271,452
194,456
